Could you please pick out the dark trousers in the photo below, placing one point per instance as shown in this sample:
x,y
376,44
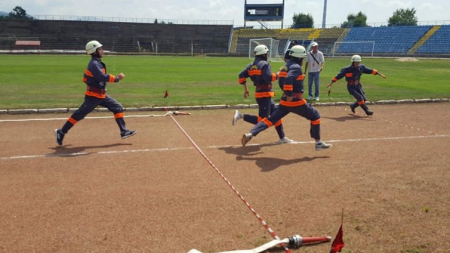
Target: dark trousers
x,y
90,103
358,92
266,108
307,111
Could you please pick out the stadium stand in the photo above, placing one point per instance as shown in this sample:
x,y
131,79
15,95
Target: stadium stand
x,y
438,43
388,40
325,37
71,36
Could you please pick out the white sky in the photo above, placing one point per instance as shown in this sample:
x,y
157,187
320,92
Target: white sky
x,y
377,11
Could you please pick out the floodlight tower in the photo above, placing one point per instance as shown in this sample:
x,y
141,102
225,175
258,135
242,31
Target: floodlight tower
x,y
324,20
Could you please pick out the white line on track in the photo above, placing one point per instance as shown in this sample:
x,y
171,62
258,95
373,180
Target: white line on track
x,y
102,117
215,147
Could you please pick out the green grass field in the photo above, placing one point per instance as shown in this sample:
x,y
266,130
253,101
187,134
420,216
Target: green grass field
x,y
52,81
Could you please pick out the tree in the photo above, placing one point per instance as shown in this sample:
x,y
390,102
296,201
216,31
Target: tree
x,y
17,13
302,21
403,17
358,20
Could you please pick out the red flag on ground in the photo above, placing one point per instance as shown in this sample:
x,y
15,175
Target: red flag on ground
x,y
338,243
166,94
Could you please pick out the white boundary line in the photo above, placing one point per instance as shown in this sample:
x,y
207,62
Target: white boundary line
x,y
215,147
100,117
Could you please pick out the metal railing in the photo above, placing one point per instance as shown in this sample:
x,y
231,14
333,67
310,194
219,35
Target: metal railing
x,y
318,26
134,20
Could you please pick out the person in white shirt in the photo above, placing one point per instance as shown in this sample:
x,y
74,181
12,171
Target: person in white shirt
x,y
314,65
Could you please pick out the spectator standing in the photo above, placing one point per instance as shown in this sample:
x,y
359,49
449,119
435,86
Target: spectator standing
x,y
314,65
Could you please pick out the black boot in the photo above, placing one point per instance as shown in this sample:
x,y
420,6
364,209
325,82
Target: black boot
x,y
366,109
353,107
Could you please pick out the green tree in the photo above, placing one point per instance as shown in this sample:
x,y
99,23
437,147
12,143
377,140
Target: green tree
x,y
17,13
302,21
403,17
358,20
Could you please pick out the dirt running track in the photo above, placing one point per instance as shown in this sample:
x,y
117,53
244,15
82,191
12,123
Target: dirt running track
x,y
155,192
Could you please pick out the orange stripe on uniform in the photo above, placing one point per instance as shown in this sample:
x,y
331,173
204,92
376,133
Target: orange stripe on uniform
x,y
267,94
88,73
256,72
288,87
94,94
118,115
301,77
267,122
112,78
361,102
374,72
334,79
293,103
274,77
282,74
279,123
349,74
259,119
315,122
242,80
71,120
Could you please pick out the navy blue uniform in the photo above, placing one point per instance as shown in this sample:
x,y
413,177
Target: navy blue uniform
x,y
262,77
291,82
353,75
96,79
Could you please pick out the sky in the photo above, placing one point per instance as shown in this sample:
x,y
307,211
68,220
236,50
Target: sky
x,y
377,12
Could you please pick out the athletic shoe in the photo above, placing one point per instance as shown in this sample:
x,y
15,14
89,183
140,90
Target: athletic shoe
x,y
322,145
352,108
237,116
246,138
317,98
369,113
127,134
59,136
285,140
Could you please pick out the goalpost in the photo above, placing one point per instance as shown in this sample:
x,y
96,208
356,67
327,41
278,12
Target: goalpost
x,y
354,47
272,44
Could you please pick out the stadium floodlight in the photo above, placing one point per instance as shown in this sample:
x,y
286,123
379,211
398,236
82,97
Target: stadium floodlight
x,y
272,44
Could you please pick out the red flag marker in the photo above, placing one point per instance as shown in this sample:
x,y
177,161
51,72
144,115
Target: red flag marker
x,y
338,242
166,94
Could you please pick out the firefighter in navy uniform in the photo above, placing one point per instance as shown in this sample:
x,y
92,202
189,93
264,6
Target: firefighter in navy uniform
x,y
291,80
96,78
353,75
260,73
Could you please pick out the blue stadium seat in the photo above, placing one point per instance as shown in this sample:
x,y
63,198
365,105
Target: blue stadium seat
x,y
439,43
392,39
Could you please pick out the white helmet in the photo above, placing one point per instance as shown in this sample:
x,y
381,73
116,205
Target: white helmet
x,y
261,49
314,44
92,46
356,58
298,51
